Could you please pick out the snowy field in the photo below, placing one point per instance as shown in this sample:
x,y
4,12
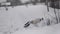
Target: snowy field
x,y
14,19
54,29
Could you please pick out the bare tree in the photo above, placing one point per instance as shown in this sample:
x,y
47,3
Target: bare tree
x,y
53,5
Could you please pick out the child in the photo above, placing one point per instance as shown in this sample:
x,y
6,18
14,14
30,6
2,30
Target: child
x,y
33,22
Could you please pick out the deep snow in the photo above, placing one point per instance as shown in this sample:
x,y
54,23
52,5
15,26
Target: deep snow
x,y
54,29
14,19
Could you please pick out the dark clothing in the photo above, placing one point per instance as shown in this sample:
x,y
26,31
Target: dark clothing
x,y
26,25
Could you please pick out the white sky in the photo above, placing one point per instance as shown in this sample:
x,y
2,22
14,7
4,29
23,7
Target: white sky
x,y
23,1
2,1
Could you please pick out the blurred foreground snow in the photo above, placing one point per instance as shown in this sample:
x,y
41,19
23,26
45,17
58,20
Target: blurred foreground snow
x,y
54,29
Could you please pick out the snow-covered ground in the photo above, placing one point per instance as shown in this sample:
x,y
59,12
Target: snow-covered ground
x,y
54,29
15,18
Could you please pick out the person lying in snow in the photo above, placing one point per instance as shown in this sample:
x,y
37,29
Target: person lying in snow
x,y
33,22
